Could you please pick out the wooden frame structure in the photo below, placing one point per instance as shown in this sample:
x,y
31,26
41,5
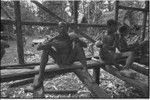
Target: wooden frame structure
x,y
19,23
94,65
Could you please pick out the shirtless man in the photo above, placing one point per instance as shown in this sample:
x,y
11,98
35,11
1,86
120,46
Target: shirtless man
x,y
122,43
64,49
108,46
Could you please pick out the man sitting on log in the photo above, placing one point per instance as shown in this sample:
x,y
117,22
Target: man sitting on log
x,y
65,50
123,46
108,46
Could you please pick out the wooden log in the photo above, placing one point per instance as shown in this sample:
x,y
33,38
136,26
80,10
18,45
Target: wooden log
x,y
55,16
7,22
27,81
25,66
17,75
140,68
54,91
75,12
30,80
51,69
132,8
29,65
10,22
20,50
7,76
133,82
96,74
135,66
145,20
21,82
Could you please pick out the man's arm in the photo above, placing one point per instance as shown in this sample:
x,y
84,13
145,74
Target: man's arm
x,y
46,44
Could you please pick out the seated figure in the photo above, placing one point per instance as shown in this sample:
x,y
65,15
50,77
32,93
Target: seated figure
x,y
122,42
65,49
108,45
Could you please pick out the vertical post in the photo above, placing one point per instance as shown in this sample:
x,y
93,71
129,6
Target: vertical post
x,y
96,74
76,12
116,10
19,32
145,19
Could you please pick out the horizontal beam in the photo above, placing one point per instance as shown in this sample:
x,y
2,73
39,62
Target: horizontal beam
x,y
54,91
132,8
26,66
17,66
53,70
140,68
8,22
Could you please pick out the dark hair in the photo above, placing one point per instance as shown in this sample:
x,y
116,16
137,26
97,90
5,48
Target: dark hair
x,y
123,28
112,22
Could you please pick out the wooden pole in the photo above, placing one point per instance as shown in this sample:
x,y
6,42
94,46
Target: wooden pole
x,y
8,22
54,91
19,32
132,8
96,74
145,19
76,12
116,10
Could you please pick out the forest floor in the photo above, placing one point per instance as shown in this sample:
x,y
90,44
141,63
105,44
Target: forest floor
x,y
69,81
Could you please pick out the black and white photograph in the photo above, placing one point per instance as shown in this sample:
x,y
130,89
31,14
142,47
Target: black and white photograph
x,y
75,49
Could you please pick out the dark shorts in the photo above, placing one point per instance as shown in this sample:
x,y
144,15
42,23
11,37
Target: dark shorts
x,y
63,56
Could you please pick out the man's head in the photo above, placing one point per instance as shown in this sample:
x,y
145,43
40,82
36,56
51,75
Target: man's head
x,y
63,28
112,26
123,30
